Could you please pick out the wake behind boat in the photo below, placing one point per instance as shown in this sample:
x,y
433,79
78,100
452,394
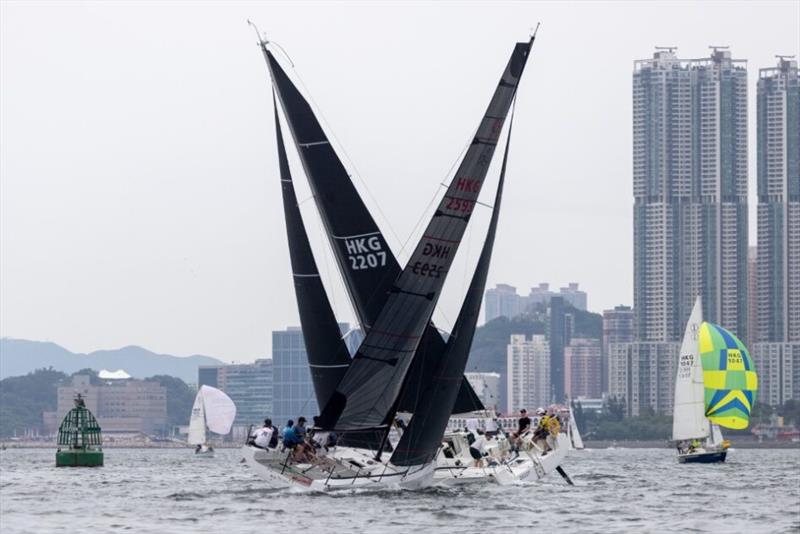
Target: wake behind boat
x,y
360,397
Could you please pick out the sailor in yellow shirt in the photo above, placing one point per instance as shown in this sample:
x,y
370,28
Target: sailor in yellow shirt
x,y
553,428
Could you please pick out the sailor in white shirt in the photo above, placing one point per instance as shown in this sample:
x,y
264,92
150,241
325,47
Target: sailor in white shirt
x,y
263,436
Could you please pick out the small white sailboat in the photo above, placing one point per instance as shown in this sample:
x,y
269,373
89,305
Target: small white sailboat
x,y
214,410
715,385
575,440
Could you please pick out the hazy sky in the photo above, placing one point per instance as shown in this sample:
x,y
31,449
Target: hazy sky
x,y
139,197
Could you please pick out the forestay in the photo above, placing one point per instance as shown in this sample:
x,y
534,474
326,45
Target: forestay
x,y
688,416
367,395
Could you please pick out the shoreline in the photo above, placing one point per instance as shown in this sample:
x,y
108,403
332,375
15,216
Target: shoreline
x,y
589,444
664,444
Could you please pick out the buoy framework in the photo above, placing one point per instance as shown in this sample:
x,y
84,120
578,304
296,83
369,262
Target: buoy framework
x,y
80,435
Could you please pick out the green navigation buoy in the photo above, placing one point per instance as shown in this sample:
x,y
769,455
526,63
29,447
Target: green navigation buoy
x,y
79,441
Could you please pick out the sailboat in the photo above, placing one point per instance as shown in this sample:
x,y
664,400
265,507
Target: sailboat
x,y
214,410
361,397
715,386
575,440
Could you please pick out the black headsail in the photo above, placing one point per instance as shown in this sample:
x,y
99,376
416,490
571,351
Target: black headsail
x,y
328,357
367,396
421,440
364,258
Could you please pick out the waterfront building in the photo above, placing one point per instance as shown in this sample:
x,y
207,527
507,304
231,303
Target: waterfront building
x,y
752,295
778,260
293,390
778,366
121,406
487,387
561,326
528,373
249,385
690,192
643,375
582,361
618,327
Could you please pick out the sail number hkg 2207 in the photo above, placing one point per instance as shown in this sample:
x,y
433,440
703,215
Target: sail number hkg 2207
x,y
365,252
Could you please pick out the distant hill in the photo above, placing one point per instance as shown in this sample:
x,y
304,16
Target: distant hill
x,y
20,357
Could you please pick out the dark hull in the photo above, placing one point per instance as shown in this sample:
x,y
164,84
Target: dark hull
x,y
703,457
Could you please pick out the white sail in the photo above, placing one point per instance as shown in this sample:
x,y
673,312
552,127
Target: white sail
x,y
574,435
716,435
219,408
197,422
689,420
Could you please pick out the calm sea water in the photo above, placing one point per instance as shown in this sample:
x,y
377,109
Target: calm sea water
x,y
617,490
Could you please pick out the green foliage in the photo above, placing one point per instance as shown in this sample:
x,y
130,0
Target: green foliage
x,y
612,424
180,399
587,324
24,398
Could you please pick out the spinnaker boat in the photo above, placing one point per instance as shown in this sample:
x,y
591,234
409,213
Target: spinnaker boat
x,y
214,410
715,387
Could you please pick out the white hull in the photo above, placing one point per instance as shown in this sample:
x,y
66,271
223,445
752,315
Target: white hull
x,y
529,466
204,452
342,468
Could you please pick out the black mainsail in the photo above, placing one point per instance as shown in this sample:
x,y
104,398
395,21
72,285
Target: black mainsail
x,y
423,437
365,260
367,397
328,358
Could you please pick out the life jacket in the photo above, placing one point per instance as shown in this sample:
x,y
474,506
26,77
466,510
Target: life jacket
x,y
273,441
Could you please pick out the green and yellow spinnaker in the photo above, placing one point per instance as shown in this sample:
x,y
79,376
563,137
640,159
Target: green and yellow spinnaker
x,y
729,377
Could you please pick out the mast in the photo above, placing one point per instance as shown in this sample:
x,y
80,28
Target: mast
x,y
366,397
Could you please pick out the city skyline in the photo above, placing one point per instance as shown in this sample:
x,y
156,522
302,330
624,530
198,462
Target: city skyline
x,y
177,244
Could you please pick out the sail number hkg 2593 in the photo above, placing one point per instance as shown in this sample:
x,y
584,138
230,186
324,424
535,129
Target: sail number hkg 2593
x,y
365,252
